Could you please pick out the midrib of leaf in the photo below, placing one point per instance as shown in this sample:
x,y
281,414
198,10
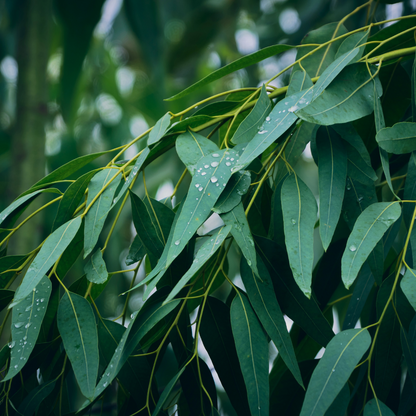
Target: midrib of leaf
x,y
299,239
333,369
332,183
365,236
99,201
30,320
196,141
158,223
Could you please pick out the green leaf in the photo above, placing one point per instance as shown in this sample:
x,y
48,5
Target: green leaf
x,y
191,147
252,350
240,230
159,129
50,252
332,71
414,90
216,334
276,124
340,405
356,40
219,108
95,269
166,392
81,286
349,97
236,187
207,250
367,232
212,174
97,214
5,297
408,285
241,63
136,251
260,292
341,356
32,401
399,139
251,124
66,170
299,81
76,324
377,408
27,319
332,176
22,202
316,63
409,355
358,169
71,199
299,217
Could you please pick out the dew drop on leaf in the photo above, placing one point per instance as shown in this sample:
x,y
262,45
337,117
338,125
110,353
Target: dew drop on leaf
x,y
214,164
177,242
352,247
214,179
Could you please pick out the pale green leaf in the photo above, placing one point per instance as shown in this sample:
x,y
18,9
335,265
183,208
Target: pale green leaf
x,y
261,294
367,232
27,319
159,129
250,125
95,269
332,171
340,405
299,81
76,324
191,147
240,63
253,354
349,97
50,252
377,408
341,356
96,216
399,139
299,217
281,118
240,230
408,285
356,40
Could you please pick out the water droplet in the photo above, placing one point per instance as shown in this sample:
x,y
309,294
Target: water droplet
x,y
262,131
15,366
283,111
105,384
249,262
360,198
206,166
28,325
215,155
200,188
348,188
25,338
12,344
28,308
227,158
203,173
352,247
197,185
228,163
214,179
177,242
42,300
293,109
18,324
267,118
293,221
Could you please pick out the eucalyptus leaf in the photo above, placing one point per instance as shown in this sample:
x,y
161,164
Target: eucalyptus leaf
x,y
376,407
356,40
399,139
408,285
299,81
95,269
159,129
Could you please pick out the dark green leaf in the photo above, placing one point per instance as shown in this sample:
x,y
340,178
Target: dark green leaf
x,y
76,324
408,285
51,250
191,147
367,232
251,124
332,177
159,129
351,42
358,169
97,214
26,322
136,251
399,139
409,355
5,297
299,217
340,405
32,401
349,97
252,350
341,356
377,408
234,66
95,269
260,291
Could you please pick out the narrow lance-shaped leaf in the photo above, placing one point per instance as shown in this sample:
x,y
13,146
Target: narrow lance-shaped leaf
x,y
349,97
376,407
95,269
252,350
240,230
261,294
408,285
96,216
276,124
353,41
76,324
50,252
207,250
367,232
27,319
250,125
358,169
299,81
159,129
399,139
341,356
332,176
241,63
212,174
299,217
191,147
414,90
409,355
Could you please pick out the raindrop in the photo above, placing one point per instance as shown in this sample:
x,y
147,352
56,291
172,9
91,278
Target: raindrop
x,y
25,338
28,325
228,163
177,242
200,188
360,198
249,262
197,185
18,324
352,247
28,308
206,166
348,188
232,159
214,164
267,118
293,109
215,155
203,173
262,131
42,300
214,179
15,366
293,221
12,344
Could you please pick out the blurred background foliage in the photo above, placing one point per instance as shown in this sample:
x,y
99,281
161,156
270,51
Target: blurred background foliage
x,y
83,76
